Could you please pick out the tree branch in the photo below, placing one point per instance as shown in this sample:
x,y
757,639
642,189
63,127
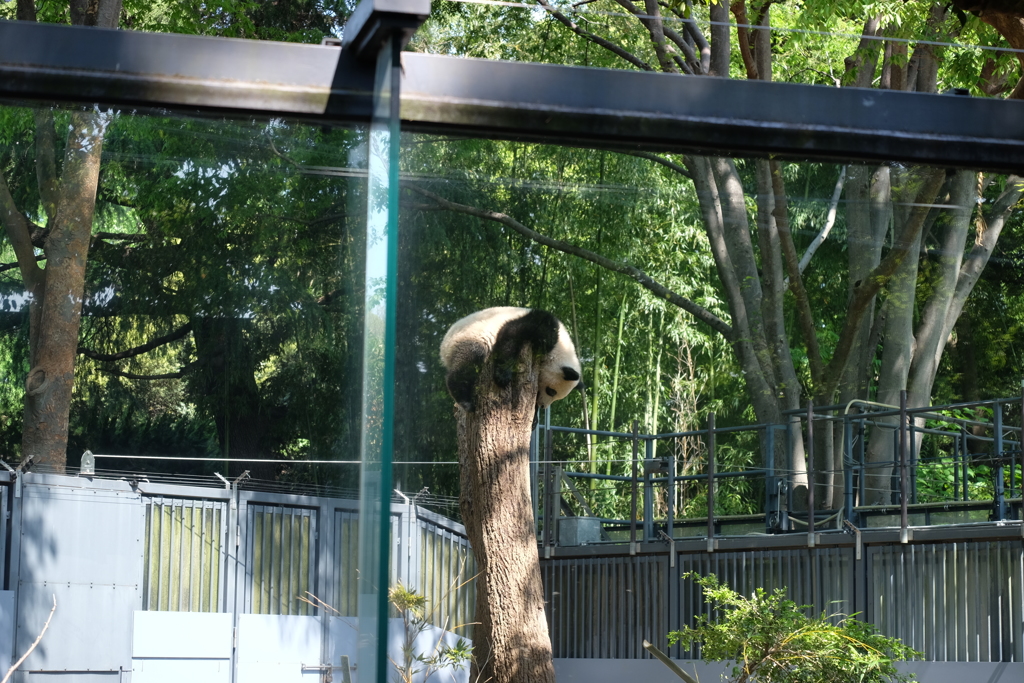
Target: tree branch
x,y
138,350
829,222
131,375
664,162
14,667
594,38
739,10
796,282
636,274
12,266
651,19
118,236
19,233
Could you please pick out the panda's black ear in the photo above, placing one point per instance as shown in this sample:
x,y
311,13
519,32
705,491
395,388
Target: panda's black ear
x,y
570,374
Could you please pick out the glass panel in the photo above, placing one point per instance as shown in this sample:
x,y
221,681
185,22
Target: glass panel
x,y
221,332
742,287
379,308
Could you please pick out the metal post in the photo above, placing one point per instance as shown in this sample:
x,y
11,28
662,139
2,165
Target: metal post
x,y
633,493
789,471
956,468
965,462
912,441
810,474
535,456
771,490
648,493
904,473
848,467
671,503
862,459
711,482
1000,492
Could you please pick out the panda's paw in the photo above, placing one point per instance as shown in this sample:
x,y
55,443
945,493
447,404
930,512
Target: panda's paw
x,y
468,406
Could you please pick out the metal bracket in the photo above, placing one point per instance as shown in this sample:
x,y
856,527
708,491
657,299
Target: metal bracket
x,y
374,21
16,471
849,528
671,548
88,465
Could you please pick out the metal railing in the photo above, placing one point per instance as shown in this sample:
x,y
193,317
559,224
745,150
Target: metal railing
x,y
864,463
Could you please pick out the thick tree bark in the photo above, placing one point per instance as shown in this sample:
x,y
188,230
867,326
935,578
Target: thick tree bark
x,y
511,641
57,313
57,292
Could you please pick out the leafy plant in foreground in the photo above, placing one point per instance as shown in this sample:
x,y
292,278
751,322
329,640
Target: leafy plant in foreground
x,y
771,639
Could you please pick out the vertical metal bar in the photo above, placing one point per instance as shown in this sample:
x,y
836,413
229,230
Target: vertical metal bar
x,y
552,486
956,467
771,489
633,492
711,482
191,553
534,470
810,473
862,460
789,469
671,502
848,467
203,573
181,549
904,473
965,463
912,427
1000,493
648,494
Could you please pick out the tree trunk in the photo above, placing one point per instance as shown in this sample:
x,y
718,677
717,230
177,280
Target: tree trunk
x,y
898,349
511,642
58,312
57,292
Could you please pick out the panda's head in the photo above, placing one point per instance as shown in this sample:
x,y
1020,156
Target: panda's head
x,y
560,372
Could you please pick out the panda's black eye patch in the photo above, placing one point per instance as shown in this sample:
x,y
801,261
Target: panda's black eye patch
x,y
569,373
550,392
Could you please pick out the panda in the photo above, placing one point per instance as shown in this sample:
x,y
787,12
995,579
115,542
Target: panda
x,y
502,332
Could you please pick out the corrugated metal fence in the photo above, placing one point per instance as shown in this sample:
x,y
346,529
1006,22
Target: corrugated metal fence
x,y
954,601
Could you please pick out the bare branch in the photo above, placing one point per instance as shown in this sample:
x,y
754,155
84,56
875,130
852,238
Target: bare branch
x,y
118,236
650,17
796,283
594,38
636,274
138,350
739,10
830,220
131,375
19,232
14,667
12,266
663,161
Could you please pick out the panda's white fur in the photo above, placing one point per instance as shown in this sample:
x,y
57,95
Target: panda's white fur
x,y
470,340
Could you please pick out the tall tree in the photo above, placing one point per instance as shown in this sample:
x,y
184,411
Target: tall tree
x,y
67,193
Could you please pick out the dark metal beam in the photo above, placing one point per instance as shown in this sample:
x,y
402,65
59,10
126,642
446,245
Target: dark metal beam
x,y
55,63
600,107
539,102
